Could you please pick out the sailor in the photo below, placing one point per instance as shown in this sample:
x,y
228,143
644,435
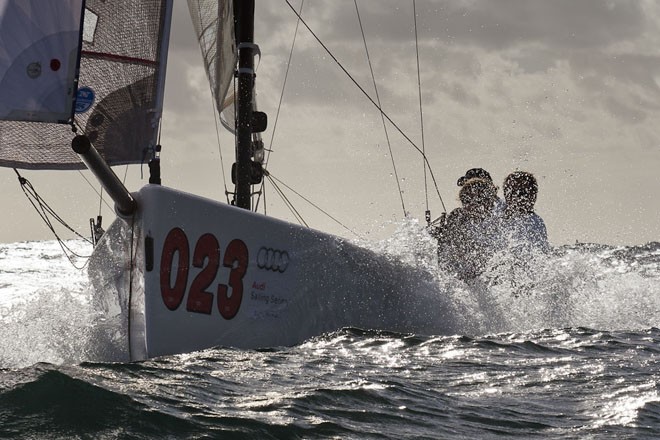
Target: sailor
x,y
438,225
482,174
520,224
473,173
467,240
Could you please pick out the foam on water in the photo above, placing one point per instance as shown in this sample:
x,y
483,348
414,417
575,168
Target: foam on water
x,y
49,311
583,285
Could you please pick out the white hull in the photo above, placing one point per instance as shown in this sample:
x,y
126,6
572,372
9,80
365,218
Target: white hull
x,y
296,282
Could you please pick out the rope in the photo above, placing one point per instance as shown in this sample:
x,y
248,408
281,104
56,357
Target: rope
x,y
406,137
387,137
47,214
421,113
279,105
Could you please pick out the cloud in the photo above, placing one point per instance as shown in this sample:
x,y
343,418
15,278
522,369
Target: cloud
x,y
567,89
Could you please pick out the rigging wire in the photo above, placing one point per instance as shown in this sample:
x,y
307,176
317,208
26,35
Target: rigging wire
x,y
47,214
421,115
100,194
273,178
75,127
101,201
263,191
279,105
387,136
216,115
287,202
405,136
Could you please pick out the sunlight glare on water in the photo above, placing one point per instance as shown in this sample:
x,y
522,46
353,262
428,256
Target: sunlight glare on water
x,y
622,406
46,306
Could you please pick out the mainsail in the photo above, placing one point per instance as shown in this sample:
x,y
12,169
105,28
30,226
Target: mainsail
x,y
118,95
214,26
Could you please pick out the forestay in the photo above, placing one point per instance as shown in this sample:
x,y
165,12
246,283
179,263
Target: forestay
x,y
121,49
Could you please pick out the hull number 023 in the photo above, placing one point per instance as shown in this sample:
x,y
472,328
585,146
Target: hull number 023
x,y
207,257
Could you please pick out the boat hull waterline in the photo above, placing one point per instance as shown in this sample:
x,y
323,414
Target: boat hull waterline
x,y
207,274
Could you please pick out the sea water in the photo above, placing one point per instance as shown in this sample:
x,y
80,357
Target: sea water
x,y
569,350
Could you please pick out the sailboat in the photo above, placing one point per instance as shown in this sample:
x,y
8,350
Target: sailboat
x,y
80,86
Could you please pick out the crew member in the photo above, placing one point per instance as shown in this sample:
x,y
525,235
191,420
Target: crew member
x,y
520,224
467,240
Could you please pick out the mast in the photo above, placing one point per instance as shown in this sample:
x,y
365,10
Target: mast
x,y
242,169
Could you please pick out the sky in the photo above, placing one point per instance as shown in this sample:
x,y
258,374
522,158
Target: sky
x,y
568,90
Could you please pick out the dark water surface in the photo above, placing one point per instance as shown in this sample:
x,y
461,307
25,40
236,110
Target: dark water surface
x,y
574,383
523,367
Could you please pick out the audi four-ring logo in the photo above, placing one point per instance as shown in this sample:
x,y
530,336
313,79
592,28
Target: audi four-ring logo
x,y
272,259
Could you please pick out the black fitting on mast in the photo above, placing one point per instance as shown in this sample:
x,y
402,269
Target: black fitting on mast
x,y
124,202
244,28
154,167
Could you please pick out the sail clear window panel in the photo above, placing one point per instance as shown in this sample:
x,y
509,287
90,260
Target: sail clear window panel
x,y
89,26
119,74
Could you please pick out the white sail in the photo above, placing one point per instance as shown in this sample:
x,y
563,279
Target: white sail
x,y
39,59
214,27
120,85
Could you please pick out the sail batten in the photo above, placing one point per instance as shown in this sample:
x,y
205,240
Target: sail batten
x,y
118,102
